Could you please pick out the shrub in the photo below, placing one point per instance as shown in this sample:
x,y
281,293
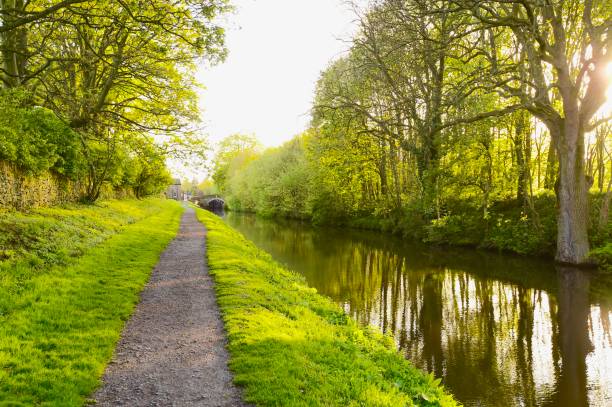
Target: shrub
x,y
34,139
603,257
462,230
517,235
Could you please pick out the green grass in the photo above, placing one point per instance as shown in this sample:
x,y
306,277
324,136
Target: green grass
x,y
54,236
290,346
65,298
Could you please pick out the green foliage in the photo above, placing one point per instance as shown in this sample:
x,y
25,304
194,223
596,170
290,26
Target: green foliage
x,y
508,227
276,183
458,230
603,257
235,152
417,115
519,236
302,179
144,168
207,187
601,235
120,76
292,346
326,208
34,139
600,227
59,324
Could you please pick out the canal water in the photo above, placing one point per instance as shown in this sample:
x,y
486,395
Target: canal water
x,y
499,330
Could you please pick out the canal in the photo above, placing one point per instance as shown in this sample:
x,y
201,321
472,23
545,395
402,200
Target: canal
x,y
499,330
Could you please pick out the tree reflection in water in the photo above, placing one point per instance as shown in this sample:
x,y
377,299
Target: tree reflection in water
x,y
500,330
574,342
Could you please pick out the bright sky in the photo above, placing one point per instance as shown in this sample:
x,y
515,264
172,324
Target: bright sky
x,y
277,49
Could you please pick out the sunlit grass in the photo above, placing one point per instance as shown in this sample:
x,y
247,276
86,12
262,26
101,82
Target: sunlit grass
x,y
59,324
52,236
290,346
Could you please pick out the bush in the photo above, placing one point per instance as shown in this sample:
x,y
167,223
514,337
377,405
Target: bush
x,y
327,209
517,235
603,257
462,230
600,234
35,140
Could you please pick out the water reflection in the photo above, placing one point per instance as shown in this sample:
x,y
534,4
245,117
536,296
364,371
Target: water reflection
x,y
499,330
573,331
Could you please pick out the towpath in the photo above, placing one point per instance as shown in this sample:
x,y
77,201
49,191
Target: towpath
x,y
172,351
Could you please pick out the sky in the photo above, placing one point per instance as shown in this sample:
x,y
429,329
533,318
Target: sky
x,y
277,49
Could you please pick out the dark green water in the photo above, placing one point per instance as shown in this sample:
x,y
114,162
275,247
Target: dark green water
x,y
499,330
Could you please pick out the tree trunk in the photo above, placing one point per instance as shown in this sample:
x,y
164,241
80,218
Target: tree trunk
x,y
396,181
382,170
572,195
522,148
520,164
599,149
550,177
605,206
487,184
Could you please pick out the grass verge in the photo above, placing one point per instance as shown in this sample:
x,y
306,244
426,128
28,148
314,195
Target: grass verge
x,y
61,315
45,237
290,346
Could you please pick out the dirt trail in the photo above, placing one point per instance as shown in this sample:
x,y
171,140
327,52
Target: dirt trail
x,y
172,351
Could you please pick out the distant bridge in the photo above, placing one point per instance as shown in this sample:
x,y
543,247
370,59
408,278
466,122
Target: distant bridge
x,y
211,202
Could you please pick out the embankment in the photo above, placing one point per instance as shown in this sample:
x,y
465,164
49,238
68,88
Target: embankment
x,y
291,346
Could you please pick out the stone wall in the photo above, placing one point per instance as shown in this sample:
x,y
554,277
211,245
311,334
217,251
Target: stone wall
x,y
21,191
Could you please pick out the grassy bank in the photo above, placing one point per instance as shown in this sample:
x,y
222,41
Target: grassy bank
x,y
290,346
69,279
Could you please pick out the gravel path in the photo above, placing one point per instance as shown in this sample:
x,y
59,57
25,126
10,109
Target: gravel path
x,y
172,351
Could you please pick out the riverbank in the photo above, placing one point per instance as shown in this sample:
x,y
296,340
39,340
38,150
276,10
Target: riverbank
x,y
508,227
467,316
292,346
70,278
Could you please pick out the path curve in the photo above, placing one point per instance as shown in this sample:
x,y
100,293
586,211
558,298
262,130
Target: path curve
x,y
172,351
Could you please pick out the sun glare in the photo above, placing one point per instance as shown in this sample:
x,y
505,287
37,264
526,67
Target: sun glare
x,y
606,109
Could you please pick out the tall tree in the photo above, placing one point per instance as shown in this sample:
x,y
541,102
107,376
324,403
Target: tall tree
x,y
115,71
550,59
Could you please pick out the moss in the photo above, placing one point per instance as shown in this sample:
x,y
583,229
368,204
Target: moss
x,y
291,346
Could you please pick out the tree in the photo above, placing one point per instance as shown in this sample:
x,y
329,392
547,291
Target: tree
x,y
234,153
118,72
17,13
207,187
550,59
